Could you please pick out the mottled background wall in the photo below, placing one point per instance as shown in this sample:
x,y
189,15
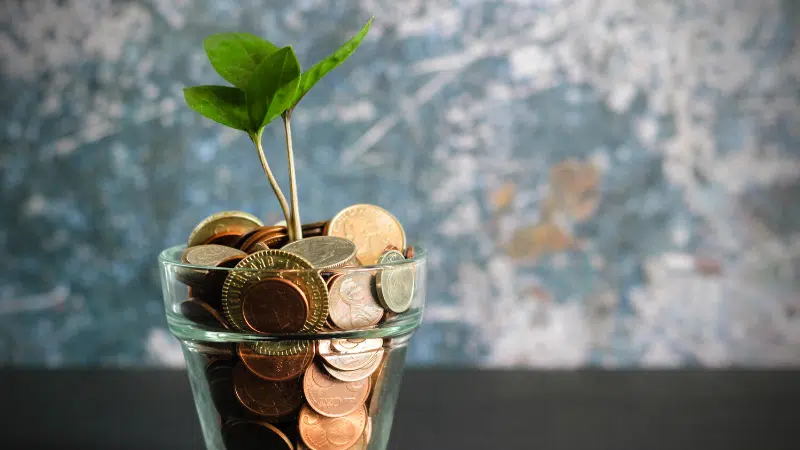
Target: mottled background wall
x,y
600,182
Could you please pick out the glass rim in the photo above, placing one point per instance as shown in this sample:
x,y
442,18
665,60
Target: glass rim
x,y
170,256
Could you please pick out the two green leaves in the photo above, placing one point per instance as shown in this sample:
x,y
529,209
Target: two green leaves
x,y
267,80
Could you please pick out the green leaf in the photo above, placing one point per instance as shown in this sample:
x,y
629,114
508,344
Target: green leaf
x,y
309,78
236,55
272,87
223,104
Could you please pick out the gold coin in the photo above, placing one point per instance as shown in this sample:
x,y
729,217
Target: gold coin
x,y
352,303
357,374
331,433
225,222
371,228
268,264
324,252
395,284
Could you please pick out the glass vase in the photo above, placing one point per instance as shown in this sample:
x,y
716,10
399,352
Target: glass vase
x,y
332,385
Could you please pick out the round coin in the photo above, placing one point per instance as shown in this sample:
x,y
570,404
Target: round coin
x,y
272,399
210,255
289,266
226,239
219,374
352,303
254,435
331,397
331,433
371,228
357,374
323,252
395,284
351,359
276,368
274,305
225,222
200,312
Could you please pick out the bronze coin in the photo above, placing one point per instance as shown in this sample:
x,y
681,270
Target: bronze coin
x,y
219,374
212,286
379,384
390,247
410,252
227,239
331,433
274,305
331,397
201,313
262,234
277,367
271,399
245,237
254,435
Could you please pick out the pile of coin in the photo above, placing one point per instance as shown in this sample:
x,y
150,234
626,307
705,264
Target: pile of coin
x,y
287,392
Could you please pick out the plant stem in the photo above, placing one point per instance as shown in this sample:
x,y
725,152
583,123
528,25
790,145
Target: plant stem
x,y
272,181
295,217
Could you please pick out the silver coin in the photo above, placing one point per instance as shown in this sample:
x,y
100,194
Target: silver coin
x,y
395,284
323,252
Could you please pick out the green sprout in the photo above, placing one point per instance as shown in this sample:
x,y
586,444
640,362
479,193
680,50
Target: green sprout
x,y
267,83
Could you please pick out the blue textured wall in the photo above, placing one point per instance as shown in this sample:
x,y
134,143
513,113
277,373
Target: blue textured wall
x,y
600,182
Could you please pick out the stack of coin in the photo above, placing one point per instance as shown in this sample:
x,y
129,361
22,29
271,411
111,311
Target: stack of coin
x,y
278,390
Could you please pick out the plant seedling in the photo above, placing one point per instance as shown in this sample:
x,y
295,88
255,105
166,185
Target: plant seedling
x,y
267,82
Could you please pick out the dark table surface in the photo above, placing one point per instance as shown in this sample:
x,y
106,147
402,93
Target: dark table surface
x,y
439,409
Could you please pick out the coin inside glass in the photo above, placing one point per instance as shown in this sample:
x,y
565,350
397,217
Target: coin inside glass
x,y
277,367
331,397
323,252
200,312
331,433
254,435
274,305
271,399
352,303
395,284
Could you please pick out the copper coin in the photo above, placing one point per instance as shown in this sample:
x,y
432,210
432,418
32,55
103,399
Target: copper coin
x,y
370,227
252,236
219,374
212,286
352,302
352,359
410,252
254,435
390,247
357,374
272,399
274,367
331,433
268,235
222,223
331,397
226,239
274,305
245,237
200,312
379,384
